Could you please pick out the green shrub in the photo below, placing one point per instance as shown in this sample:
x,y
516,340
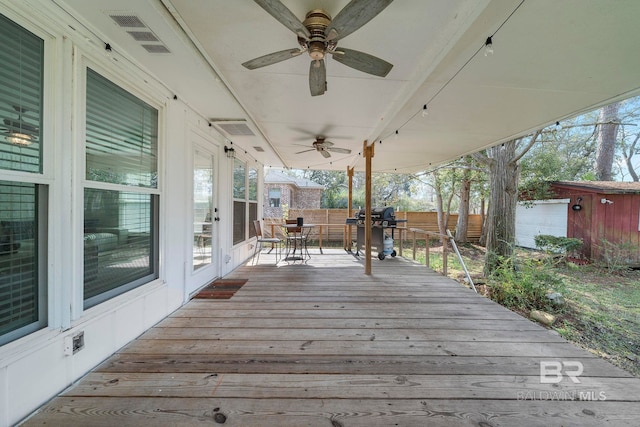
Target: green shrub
x,y
525,285
617,257
556,245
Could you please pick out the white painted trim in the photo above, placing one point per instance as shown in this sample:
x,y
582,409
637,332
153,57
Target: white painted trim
x,y
544,202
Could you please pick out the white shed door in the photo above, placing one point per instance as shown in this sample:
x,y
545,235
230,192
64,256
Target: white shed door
x,y
541,217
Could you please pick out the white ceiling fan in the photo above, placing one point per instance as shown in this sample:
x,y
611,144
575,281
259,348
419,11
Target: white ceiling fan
x,y
324,147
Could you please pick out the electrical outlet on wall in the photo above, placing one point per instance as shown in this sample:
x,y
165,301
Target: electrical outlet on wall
x,y
73,343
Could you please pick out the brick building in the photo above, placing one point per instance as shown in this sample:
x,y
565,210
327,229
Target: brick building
x,y
281,190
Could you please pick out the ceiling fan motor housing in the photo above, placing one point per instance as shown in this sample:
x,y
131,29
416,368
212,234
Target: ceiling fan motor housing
x,y
316,22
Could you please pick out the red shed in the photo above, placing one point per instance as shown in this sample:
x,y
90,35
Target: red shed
x,y
605,215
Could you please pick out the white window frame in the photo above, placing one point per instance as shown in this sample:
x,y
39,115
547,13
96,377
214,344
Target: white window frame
x,y
49,316
248,226
128,80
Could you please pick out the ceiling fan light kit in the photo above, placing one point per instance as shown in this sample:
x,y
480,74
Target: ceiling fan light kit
x,y
18,131
318,35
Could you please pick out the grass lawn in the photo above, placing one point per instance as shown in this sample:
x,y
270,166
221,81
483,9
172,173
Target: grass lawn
x,y
601,311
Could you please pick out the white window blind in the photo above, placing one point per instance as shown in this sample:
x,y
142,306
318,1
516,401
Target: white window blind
x,y
121,135
22,304
23,216
21,79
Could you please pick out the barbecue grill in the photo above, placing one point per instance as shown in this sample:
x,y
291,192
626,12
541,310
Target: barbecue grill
x,y
381,219
384,217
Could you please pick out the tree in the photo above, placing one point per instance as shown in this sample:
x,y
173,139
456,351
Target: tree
x,y
444,182
607,134
628,151
629,136
564,153
469,173
463,210
502,161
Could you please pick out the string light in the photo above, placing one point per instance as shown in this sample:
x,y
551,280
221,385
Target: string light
x,y
488,46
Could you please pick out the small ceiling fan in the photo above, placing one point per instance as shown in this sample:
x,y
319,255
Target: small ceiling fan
x,y
318,35
17,130
322,146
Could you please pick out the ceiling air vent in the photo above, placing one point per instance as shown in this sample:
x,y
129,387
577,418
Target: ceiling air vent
x,y
128,21
236,127
139,31
156,48
259,149
143,36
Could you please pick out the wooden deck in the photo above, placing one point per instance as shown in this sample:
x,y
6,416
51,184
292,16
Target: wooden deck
x,y
322,344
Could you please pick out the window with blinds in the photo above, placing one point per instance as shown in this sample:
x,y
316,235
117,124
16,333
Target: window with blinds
x,y
21,80
245,203
253,199
22,291
23,206
120,224
239,201
122,139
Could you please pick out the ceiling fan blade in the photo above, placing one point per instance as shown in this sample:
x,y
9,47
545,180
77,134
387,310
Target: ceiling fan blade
x,y
271,58
325,153
317,77
305,151
353,16
339,150
279,11
362,61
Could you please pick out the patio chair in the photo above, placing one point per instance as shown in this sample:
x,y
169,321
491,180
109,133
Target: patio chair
x,y
274,241
297,240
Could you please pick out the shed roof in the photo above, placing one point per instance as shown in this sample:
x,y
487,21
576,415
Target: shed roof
x,y
278,177
606,187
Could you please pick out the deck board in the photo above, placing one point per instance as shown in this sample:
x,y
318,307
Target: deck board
x,y
322,344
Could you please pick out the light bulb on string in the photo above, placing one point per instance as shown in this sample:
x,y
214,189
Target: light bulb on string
x,y
395,136
425,112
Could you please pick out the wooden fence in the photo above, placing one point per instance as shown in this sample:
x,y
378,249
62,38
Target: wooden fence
x,y
333,223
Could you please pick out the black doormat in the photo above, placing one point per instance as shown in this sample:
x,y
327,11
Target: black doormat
x,y
221,289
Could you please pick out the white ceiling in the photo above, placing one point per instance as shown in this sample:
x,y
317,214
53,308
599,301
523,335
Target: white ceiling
x,y
553,59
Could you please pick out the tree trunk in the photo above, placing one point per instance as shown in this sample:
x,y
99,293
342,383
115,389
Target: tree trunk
x,y
440,209
483,218
462,225
504,174
607,134
628,155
